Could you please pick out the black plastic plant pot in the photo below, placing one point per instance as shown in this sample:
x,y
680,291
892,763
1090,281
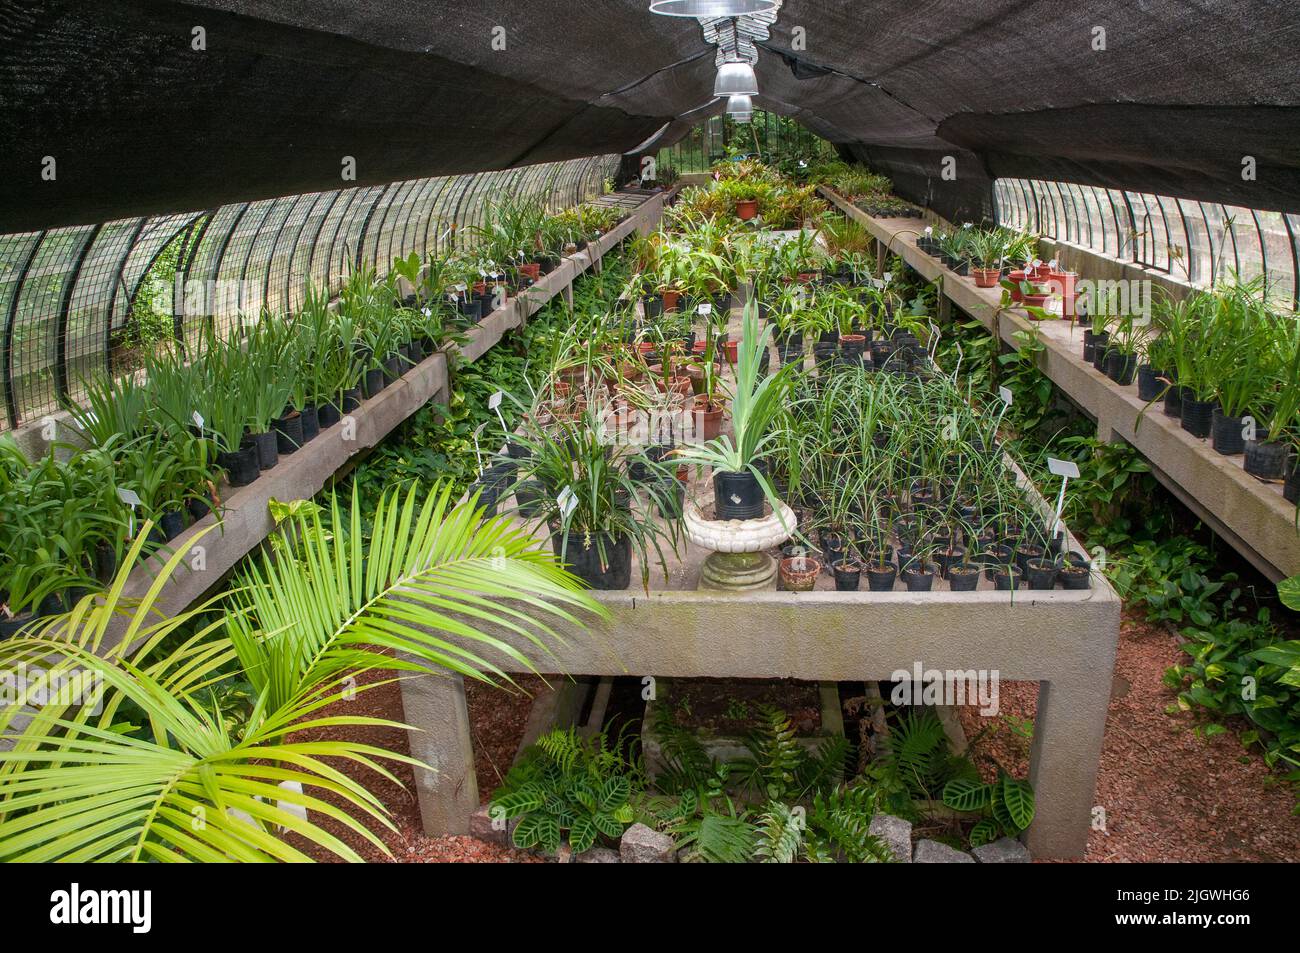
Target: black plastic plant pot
x,y
1041,573
394,367
790,354
653,306
1225,434
1089,346
1027,553
472,310
528,497
172,523
1007,578
1075,577
947,558
996,558
11,627
1291,491
963,578
881,578
198,508
105,562
1150,386
489,493
310,424
1100,345
1121,367
1197,416
737,496
241,466
1266,461
832,547
585,561
288,433
374,381
918,579
267,453
848,575
516,450
327,415
1174,401
351,399
671,499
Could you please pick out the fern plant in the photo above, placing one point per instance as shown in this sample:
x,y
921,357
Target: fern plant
x,y
780,768
568,787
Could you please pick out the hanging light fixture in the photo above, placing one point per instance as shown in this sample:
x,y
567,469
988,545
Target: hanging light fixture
x,y
735,78
711,8
736,105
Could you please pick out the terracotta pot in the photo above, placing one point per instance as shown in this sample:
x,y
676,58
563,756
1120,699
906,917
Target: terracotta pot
x,y
1035,301
708,418
746,209
986,277
732,351
1065,284
671,300
675,385
1017,276
531,270
799,573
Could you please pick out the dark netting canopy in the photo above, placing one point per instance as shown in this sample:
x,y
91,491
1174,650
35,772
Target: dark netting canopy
x,y
140,122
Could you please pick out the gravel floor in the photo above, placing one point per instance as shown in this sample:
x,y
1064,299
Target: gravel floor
x,y
1168,794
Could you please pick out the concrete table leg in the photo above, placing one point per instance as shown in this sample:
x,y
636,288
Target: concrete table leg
x,y
449,793
1063,762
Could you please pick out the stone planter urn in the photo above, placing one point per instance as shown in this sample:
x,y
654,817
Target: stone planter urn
x,y
739,561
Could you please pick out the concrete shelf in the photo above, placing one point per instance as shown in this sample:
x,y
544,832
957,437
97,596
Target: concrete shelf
x,y
1250,515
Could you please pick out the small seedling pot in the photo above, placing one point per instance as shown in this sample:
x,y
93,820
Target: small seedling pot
x,y
310,424
1008,577
987,277
918,578
1074,576
267,454
1225,432
963,578
242,465
172,523
848,575
1121,367
1174,401
799,573
374,381
351,399
288,433
1150,386
1041,573
1291,491
881,578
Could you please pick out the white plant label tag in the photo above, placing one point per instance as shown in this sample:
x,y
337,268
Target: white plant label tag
x,y
929,229
704,310
889,276
566,501
198,419
1063,468
426,312
129,497
495,400
1007,397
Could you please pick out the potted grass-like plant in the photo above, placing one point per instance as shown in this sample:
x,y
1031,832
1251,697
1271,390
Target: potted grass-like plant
x,y
739,485
1278,410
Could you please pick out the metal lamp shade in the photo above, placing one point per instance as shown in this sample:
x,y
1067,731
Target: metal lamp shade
x,y
711,8
735,79
739,105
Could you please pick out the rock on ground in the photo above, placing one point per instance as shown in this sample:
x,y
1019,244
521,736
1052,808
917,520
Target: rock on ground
x,y
482,826
597,855
1005,850
932,852
641,845
896,833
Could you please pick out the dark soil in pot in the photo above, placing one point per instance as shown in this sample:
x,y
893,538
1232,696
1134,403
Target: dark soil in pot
x,y
242,466
1026,553
963,578
918,579
1267,461
737,496
881,578
945,559
848,575
267,454
1041,573
832,547
1197,416
310,424
1226,434
288,433
612,573
374,381
1150,386
995,558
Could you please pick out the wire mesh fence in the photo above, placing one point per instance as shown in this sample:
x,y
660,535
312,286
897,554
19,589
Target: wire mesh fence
x,y
1200,243
767,135
80,301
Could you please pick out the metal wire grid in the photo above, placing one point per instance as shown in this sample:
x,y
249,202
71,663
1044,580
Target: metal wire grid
x,y
67,295
707,142
1195,242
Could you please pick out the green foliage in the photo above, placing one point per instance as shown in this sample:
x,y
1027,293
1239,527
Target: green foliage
x,y
568,787
1006,806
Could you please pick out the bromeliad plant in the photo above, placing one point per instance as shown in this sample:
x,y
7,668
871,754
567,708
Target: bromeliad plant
x,y
152,772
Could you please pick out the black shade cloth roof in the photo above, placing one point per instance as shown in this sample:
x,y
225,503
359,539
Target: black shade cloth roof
x,y
141,123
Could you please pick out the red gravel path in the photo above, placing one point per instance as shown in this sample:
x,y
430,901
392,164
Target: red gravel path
x,y
1168,794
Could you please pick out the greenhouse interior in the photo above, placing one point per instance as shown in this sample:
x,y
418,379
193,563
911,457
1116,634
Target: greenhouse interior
x,y
689,431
